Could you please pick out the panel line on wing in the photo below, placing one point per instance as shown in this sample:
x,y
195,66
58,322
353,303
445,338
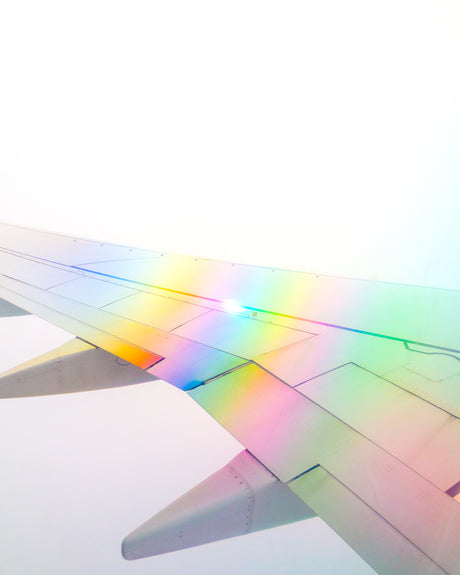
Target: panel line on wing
x,y
146,284
382,377
110,313
406,345
30,257
236,368
407,390
384,518
310,498
250,308
192,319
32,285
323,373
65,316
256,309
270,394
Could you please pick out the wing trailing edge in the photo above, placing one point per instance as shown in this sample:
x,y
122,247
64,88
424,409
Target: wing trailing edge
x,y
242,497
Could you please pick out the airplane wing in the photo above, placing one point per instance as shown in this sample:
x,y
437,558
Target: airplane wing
x,y
345,393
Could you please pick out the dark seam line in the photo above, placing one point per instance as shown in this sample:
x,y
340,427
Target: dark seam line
x,y
150,366
91,344
35,286
305,397
430,352
102,307
382,517
385,377
454,490
223,373
31,258
303,473
199,316
51,288
148,285
198,343
262,464
324,373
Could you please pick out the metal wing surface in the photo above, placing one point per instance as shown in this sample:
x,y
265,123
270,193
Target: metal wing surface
x,y
345,393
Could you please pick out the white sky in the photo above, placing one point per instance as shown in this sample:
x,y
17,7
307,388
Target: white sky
x,y
320,136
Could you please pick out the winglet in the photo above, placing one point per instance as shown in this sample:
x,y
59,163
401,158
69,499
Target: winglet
x,y
240,498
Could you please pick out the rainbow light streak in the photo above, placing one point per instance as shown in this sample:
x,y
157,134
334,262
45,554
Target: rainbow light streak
x,y
409,428
299,393
405,313
142,321
424,316
76,318
268,417
291,435
238,335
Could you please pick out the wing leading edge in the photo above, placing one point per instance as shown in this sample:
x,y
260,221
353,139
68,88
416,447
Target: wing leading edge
x,y
346,393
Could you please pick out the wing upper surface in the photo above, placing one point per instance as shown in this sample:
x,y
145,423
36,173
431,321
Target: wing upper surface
x,y
409,313
335,385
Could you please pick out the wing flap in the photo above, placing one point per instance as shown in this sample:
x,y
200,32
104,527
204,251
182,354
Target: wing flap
x,y
127,351
333,348
187,363
427,372
414,431
290,434
73,367
376,541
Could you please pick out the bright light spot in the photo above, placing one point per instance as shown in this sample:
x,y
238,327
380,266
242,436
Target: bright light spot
x,y
231,306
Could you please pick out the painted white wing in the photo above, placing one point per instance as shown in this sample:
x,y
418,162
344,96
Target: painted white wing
x,y
344,392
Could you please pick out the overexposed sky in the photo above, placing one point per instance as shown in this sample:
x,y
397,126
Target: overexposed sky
x,y
320,136
314,135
